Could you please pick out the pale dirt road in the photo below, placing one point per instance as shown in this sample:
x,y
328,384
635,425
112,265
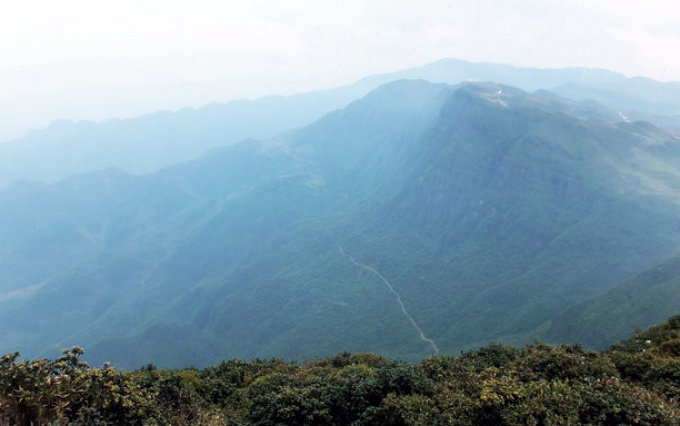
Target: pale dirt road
x,y
422,335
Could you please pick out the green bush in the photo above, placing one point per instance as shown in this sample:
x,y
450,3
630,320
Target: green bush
x,y
636,382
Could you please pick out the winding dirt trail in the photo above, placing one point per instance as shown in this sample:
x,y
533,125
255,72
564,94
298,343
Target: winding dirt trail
x,y
423,337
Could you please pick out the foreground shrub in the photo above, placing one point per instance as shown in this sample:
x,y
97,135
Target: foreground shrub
x,y
636,382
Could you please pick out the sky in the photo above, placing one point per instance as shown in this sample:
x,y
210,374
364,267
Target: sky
x,y
95,60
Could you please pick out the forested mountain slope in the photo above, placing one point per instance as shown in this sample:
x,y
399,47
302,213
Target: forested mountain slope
x,y
487,210
635,303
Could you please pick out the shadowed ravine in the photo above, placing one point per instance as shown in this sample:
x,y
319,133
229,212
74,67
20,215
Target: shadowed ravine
x,y
423,337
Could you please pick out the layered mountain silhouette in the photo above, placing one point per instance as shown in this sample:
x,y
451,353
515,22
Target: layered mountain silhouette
x,y
146,144
493,213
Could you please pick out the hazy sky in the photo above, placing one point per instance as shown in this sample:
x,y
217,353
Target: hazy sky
x,y
101,59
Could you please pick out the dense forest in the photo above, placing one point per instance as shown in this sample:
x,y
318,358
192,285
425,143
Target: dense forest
x,y
635,382
495,214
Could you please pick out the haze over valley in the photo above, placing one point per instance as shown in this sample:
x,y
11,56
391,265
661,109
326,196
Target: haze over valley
x,y
430,210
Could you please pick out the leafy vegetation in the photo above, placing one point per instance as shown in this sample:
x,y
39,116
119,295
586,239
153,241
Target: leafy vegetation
x,y
635,382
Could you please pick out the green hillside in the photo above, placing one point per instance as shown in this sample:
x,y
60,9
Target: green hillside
x,y
636,303
480,212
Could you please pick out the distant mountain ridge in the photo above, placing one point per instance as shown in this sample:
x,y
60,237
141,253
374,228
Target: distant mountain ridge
x,y
490,210
151,142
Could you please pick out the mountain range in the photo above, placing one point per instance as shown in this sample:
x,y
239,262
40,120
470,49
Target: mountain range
x,y
424,217
146,144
